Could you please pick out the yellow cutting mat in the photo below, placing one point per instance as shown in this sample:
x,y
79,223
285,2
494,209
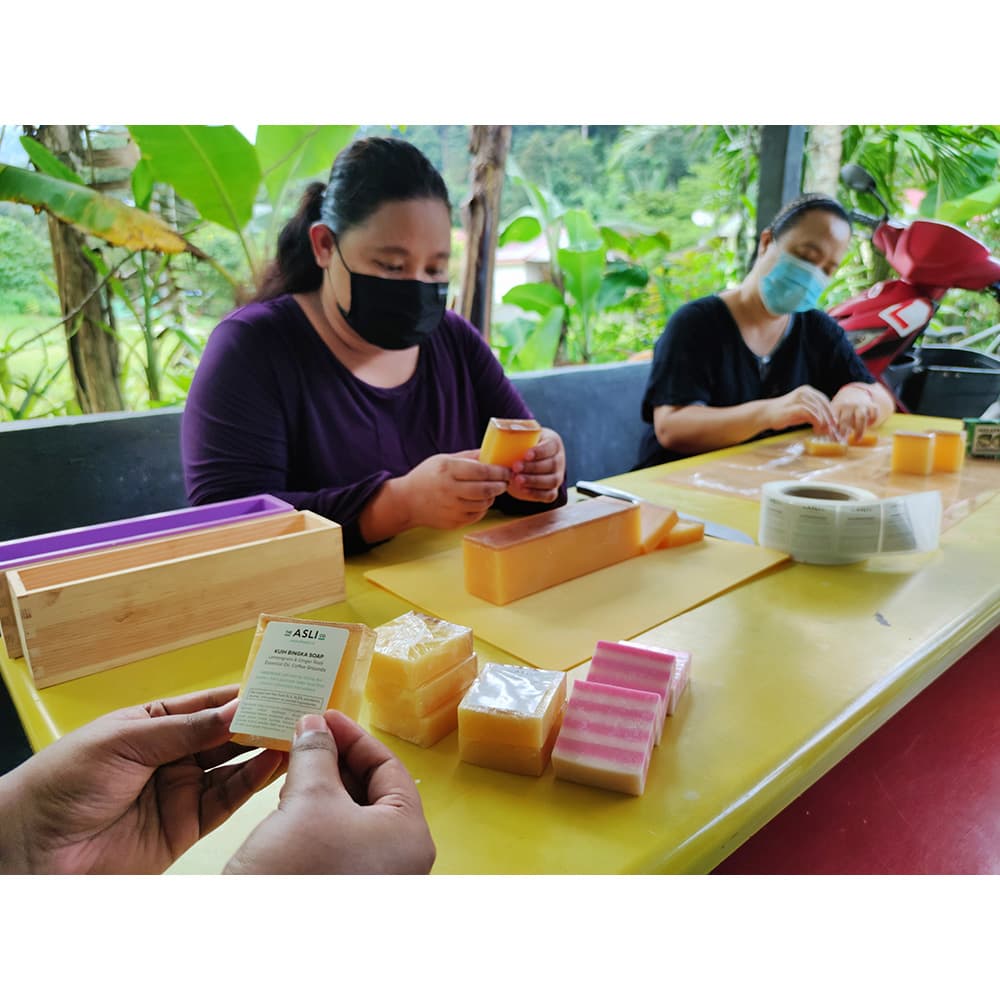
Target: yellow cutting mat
x,y
558,628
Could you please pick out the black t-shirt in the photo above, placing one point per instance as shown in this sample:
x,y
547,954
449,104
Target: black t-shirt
x,y
702,359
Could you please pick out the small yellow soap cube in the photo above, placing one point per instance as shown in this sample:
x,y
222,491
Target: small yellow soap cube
x,y
825,446
508,440
415,648
513,705
868,438
949,451
913,452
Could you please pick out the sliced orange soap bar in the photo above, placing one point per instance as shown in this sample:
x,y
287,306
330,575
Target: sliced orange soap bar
x,y
507,440
657,522
949,451
299,667
913,452
533,553
825,446
683,533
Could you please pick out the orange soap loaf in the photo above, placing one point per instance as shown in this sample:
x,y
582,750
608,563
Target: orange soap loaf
x,y
825,446
657,523
299,667
913,452
506,441
533,553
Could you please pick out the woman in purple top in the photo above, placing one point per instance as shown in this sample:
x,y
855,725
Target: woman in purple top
x,y
347,388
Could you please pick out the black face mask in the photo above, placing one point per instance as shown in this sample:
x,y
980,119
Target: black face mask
x,y
394,313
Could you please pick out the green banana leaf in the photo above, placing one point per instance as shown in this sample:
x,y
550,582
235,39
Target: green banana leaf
x,y
92,212
288,153
142,184
581,231
534,296
523,229
619,283
582,271
213,166
539,349
980,202
47,162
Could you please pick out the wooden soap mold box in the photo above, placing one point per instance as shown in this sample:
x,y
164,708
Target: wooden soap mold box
x,y
84,614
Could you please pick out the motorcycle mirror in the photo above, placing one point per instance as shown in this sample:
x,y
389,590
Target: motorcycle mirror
x,y
857,178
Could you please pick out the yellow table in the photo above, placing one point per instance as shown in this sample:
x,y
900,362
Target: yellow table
x,y
791,671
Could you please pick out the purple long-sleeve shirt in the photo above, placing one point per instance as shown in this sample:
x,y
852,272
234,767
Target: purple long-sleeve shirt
x,y
272,410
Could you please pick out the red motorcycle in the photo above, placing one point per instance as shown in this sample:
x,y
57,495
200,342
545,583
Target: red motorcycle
x,y
884,322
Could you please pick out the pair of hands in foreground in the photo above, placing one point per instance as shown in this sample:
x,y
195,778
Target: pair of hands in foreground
x,y
130,792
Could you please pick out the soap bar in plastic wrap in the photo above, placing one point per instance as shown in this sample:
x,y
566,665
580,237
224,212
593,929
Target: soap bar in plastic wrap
x,y
415,648
298,667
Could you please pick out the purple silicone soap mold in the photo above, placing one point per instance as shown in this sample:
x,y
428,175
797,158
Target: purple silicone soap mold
x,y
73,541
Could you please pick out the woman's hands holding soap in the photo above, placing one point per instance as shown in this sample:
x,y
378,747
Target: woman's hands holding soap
x,y
348,806
131,791
539,475
448,491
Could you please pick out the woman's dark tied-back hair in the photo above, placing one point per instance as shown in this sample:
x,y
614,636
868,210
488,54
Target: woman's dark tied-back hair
x,y
365,175
796,208
810,202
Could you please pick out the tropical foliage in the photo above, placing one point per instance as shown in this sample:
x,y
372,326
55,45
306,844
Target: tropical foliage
x,y
635,220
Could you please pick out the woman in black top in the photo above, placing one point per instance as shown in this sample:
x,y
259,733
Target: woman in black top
x,y
761,358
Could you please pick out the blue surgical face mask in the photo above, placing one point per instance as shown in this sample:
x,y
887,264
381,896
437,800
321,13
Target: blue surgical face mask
x,y
792,285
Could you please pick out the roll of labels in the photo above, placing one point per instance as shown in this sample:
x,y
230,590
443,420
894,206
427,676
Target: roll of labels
x,y
831,525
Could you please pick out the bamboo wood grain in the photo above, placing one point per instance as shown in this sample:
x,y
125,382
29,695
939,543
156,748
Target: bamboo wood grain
x,y
127,556
87,622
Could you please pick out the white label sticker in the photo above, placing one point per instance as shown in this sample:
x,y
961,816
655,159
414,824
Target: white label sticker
x,y
905,318
292,675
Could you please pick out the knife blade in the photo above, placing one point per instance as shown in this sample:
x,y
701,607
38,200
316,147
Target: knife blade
x,y
590,489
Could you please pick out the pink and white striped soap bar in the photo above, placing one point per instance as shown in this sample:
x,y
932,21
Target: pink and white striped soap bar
x,y
633,665
606,737
679,680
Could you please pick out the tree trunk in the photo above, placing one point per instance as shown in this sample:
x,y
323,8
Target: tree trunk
x,y
93,351
823,152
489,145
